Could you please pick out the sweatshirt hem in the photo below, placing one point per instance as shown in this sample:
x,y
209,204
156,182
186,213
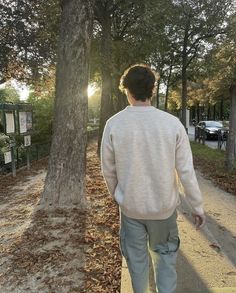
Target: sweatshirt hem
x,y
149,216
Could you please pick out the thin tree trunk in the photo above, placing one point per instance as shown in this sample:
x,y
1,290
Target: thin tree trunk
x,y
107,109
168,85
230,150
209,112
158,94
222,109
64,184
198,113
184,95
214,112
184,74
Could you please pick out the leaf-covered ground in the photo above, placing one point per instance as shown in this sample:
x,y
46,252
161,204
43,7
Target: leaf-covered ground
x,y
70,250
211,163
61,250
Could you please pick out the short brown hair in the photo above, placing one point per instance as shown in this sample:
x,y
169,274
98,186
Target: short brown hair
x,y
139,79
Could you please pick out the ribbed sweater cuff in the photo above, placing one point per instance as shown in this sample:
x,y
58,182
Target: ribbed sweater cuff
x,y
198,210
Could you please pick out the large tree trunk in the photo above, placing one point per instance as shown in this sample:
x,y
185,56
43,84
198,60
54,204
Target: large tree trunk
x,y
231,144
107,109
64,184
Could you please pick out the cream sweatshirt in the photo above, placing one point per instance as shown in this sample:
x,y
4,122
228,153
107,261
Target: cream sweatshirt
x,y
142,148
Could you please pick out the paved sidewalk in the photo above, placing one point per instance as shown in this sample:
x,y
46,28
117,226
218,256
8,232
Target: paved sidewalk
x,y
200,267
127,288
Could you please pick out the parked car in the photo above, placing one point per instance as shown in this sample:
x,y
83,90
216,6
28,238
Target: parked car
x,y
208,128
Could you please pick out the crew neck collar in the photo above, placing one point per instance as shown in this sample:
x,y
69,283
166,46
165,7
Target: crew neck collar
x,y
140,108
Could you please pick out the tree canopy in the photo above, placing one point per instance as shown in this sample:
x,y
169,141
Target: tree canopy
x,y
190,43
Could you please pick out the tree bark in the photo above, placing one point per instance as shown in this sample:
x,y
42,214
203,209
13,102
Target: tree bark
x,y
107,108
168,85
184,94
214,112
198,113
209,112
158,94
222,109
231,142
121,100
64,186
184,73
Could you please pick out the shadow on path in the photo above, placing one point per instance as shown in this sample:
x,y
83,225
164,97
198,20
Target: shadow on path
x,y
215,233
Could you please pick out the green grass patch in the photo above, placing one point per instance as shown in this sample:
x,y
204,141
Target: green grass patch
x,y
211,163
205,152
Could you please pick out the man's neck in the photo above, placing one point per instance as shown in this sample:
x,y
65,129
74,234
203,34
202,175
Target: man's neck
x,y
141,103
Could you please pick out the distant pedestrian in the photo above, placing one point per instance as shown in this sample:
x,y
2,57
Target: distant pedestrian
x,y
142,148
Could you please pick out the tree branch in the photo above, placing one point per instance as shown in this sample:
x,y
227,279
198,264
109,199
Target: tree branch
x,y
123,30
192,57
2,80
115,6
196,42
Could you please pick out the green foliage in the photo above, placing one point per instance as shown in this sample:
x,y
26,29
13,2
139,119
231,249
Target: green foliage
x,y
42,117
9,94
28,33
189,30
215,72
142,31
4,142
127,24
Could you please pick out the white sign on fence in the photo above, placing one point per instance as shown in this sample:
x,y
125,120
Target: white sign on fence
x,y
27,140
25,121
22,122
10,123
7,157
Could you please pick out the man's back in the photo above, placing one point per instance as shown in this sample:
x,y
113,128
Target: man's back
x,y
144,141
142,148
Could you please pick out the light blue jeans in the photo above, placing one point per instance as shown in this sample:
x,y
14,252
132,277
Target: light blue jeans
x,y
159,238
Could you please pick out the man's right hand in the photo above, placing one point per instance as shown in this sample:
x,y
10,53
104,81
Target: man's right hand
x,y
199,220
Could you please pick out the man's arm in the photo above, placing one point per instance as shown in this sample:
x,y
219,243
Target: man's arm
x,y
108,161
185,170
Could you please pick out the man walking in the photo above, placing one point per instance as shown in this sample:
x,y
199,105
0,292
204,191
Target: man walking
x,y
142,149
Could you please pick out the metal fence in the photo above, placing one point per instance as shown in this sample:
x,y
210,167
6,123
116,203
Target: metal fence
x,y
32,153
221,139
36,151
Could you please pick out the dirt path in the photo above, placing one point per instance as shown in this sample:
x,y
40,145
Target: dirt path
x,y
201,263
62,251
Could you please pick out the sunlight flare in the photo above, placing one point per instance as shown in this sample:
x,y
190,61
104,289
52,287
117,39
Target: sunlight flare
x,y
91,89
